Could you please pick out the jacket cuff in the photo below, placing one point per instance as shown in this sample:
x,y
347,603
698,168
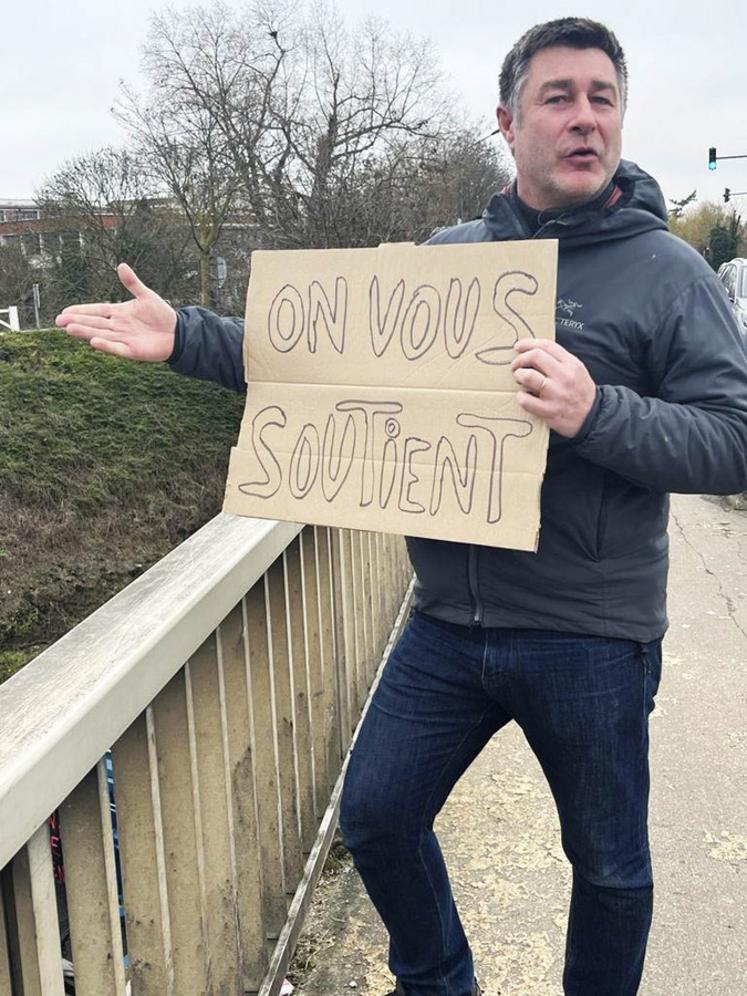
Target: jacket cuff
x,y
588,424
176,352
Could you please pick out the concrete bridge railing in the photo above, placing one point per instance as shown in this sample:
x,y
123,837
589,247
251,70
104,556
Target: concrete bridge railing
x,y
226,683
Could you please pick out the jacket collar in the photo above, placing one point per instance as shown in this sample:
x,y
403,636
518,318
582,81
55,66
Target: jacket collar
x,y
634,205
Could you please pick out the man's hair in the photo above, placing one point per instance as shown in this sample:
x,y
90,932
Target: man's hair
x,y
575,32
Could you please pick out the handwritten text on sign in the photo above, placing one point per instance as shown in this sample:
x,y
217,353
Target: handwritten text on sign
x,y
380,394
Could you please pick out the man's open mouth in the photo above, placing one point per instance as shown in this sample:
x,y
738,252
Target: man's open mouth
x,y
581,155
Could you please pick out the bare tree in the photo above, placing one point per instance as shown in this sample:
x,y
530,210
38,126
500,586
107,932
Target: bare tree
x,y
418,185
272,126
176,132
99,209
455,178
300,106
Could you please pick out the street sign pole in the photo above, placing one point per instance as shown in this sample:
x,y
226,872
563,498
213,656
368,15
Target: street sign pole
x,y
35,289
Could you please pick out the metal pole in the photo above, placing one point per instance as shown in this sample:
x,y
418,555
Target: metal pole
x,y
35,289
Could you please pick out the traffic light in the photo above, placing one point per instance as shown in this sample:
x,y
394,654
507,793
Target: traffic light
x,y
712,158
727,194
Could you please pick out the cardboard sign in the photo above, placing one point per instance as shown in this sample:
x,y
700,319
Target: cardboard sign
x,y
380,395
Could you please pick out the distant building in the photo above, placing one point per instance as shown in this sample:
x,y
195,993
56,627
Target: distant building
x,y
22,221
19,210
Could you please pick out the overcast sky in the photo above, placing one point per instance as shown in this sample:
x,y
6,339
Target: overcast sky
x,y
62,63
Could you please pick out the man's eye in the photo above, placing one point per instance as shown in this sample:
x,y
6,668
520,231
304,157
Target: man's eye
x,y
602,100
557,99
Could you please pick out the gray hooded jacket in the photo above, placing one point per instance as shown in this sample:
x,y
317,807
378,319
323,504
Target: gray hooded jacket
x,y
653,325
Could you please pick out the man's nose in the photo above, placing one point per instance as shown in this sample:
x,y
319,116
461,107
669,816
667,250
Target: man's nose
x,y
583,118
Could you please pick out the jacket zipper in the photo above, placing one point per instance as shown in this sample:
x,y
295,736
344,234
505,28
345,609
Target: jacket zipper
x,y
473,588
472,551
541,231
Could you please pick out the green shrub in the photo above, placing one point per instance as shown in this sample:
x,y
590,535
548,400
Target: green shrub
x,y
105,465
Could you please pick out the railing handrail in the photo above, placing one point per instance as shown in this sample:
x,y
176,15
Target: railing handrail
x,y
60,714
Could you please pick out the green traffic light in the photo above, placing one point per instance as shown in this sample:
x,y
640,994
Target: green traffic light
x,y
711,165
712,158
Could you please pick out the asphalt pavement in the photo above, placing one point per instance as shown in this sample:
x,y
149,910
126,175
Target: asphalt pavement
x,y
499,830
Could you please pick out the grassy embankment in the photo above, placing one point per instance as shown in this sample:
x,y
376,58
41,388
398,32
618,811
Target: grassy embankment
x,y
105,465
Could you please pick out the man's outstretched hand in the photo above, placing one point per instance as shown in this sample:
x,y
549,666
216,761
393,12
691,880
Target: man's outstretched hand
x,y
140,329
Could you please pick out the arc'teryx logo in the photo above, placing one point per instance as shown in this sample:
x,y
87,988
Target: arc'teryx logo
x,y
564,312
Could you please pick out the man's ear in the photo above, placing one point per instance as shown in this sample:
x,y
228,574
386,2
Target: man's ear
x,y
506,124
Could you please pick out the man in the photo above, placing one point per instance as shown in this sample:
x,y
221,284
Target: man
x,y
646,392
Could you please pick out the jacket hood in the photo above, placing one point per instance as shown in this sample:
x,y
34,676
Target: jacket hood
x,y
640,207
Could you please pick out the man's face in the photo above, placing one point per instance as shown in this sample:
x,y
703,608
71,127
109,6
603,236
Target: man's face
x,y
567,136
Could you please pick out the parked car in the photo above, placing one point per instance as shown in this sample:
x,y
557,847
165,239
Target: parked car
x,y
733,275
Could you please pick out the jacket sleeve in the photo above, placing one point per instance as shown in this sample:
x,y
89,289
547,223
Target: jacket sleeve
x,y
690,436
209,347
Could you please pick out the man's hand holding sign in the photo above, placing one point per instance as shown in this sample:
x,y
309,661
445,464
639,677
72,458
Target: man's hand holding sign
x,y
556,386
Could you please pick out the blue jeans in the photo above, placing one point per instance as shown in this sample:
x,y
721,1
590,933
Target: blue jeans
x,y
583,705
